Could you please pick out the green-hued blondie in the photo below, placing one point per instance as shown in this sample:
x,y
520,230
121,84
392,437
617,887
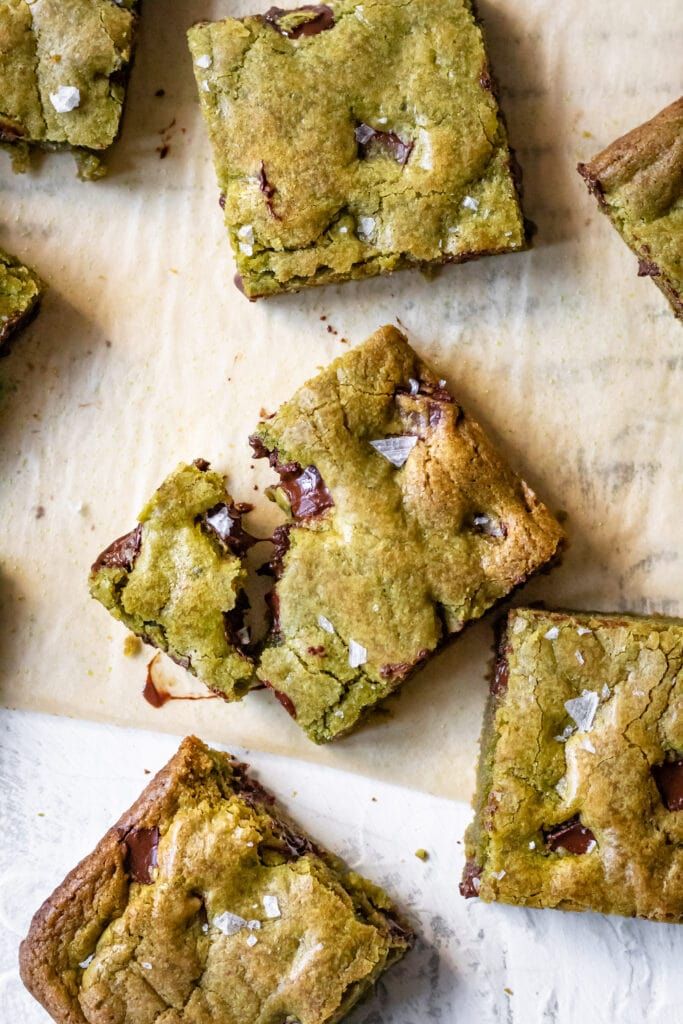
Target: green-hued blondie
x,y
204,904
638,182
20,293
63,70
177,579
580,793
355,138
404,524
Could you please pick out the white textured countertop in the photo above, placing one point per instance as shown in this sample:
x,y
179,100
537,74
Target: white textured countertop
x,y
63,782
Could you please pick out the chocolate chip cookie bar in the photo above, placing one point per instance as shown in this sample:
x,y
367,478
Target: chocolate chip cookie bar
x,y
204,904
352,139
638,183
177,579
580,793
20,293
63,71
404,524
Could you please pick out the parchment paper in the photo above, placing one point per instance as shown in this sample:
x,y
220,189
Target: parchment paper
x,y
145,354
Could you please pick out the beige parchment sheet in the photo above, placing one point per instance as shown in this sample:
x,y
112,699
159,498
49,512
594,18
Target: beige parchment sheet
x,y
145,354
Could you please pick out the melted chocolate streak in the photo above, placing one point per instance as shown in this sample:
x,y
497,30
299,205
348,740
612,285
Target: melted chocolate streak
x,y
305,488
370,138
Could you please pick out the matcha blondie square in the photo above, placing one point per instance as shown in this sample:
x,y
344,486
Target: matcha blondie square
x,y
63,71
20,293
177,579
638,182
352,139
404,525
579,803
204,904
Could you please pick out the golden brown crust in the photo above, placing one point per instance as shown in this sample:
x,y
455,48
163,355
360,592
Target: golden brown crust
x,y
638,183
657,142
99,881
203,902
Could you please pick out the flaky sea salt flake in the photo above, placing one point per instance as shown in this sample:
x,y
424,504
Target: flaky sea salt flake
x,y
204,61
271,906
229,923
358,654
470,203
86,963
366,225
582,709
583,630
65,99
552,633
395,449
325,624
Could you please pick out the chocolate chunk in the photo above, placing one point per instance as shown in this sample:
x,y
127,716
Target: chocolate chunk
x,y
305,490
122,553
439,392
321,21
273,605
469,885
287,702
401,670
281,541
370,139
10,131
284,844
201,464
234,623
501,675
259,449
571,836
248,788
225,521
267,189
141,854
648,268
669,779
221,200
316,652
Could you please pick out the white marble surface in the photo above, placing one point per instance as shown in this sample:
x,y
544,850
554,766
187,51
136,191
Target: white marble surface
x,y
63,782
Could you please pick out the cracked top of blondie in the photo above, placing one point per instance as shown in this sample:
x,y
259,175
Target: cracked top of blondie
x,y
351,139
580,788
203,904
20,292
638,182
404,524
62,70
177,579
